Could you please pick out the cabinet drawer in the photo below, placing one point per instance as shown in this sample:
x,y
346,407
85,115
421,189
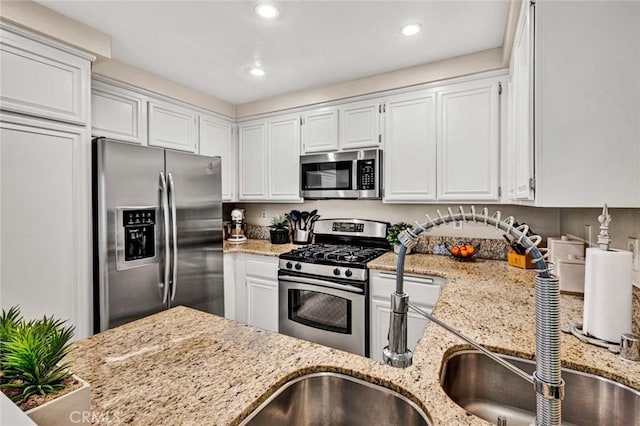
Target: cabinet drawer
x,y
40,80
423,290
264,269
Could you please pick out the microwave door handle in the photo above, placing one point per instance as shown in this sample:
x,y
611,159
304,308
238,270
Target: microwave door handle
x,y
164,200
174,235
354,175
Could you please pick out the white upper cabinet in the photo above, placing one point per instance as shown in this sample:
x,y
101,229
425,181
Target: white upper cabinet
x,y
172,126
216,139
360,125
584,111
410,147
320,130
520,121
43,79
118,113
270,159
284,158
468,141
252,146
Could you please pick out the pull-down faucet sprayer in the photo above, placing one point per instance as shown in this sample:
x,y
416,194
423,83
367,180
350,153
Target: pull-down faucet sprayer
x,y
547,381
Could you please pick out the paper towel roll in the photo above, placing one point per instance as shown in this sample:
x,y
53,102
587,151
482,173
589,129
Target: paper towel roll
x,y
607,294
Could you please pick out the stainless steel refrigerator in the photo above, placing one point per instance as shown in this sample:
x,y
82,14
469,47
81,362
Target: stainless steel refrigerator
x,y
157,232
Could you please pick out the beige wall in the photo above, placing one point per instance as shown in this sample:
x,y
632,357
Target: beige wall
x,y
37,18
137,77
472,63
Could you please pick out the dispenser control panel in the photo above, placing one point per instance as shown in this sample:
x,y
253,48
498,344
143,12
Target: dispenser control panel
x,y
136,236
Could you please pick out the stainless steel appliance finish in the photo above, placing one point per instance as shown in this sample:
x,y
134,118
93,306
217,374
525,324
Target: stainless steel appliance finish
x,y
157,232
488,390
324,287
336,399
350,174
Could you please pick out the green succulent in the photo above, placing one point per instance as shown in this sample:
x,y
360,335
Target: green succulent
x,y
31,354
394,230
279,222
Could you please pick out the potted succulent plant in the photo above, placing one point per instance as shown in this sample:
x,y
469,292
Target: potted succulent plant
x,y
392,235
279,230
33,373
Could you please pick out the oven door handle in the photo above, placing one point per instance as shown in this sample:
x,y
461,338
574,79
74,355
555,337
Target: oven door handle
x,y
304,280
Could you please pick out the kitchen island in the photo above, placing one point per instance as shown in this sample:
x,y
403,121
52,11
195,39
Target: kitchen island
x,y
187,367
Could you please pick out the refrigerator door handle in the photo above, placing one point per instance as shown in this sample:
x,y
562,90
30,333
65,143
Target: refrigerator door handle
x,y
174,235
164,196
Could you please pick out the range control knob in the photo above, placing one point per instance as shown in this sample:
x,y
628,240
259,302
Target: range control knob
x,y
348,273
336,271
298,266
289,265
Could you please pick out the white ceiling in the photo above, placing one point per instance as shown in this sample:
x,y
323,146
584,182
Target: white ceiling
x,y
208,45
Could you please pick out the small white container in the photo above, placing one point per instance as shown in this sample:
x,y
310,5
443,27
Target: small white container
x,y
570,271
562,248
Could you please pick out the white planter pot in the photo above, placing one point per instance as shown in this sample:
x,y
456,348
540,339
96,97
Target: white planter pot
x,y
69,409
396,249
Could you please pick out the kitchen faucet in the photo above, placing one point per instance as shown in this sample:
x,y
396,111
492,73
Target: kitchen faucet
x,y
547,380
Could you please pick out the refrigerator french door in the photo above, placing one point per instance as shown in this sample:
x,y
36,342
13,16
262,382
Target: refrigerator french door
x,y
157,232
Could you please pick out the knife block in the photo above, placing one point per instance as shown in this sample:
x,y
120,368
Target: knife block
x,y
520,260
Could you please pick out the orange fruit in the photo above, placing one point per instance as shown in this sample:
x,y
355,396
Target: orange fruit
x,y
470,249
463,252
455,250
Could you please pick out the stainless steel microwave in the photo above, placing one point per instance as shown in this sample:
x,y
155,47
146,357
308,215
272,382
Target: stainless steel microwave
x,y
351,174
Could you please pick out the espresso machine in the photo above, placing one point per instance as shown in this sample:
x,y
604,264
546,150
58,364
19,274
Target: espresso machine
x,y
237,228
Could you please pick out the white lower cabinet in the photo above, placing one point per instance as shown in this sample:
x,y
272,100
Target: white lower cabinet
x,y
423,292
229,276
256,290
45,220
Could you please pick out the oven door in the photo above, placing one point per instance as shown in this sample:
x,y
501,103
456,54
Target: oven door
x,y
324,312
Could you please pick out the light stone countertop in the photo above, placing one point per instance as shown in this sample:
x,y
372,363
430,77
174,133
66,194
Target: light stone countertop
x,y
187,367
261,247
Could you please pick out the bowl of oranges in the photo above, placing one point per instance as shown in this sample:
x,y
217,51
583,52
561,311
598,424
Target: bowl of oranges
x,y
463,250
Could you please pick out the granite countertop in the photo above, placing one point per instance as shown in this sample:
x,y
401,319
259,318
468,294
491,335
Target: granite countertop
x,y
187,367
261,247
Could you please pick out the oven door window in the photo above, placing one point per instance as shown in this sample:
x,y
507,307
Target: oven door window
x,y
327,176
320,310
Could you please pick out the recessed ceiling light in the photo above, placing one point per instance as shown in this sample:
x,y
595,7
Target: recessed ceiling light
x,y
256,71
410,29
268,11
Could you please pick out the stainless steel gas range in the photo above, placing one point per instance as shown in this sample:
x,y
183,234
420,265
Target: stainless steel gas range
x,y
324,287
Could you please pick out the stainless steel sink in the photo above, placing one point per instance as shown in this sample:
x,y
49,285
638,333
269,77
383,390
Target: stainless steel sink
x,y
488,390
336,399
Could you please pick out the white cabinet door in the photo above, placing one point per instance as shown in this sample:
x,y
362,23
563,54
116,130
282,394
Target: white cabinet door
x,y
423,292
360,125
118,113
284,158
410,147
229,276
379,313
42,80
469,141
252,145
320,130
172,126
216,139
45,220
521,110
262,303
261,283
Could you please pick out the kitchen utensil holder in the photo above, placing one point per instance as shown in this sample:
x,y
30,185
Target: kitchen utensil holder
x,y
301,236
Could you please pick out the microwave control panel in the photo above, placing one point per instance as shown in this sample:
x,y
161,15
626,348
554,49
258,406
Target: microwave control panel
x,y
135,237
366,174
